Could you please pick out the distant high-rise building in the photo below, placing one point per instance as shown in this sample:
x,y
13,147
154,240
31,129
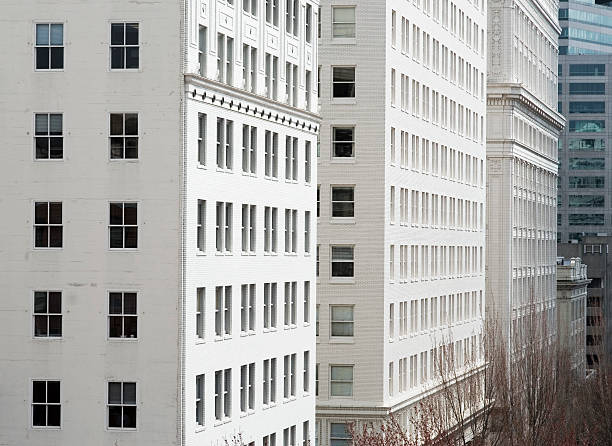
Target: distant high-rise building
x,y
158,242
586,27
522,132
401,202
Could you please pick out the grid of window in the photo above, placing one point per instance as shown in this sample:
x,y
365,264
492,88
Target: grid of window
x,y
121,405
123,135
124,47
48,136
47,314
122,315
123,225
46,404
48,229
49,48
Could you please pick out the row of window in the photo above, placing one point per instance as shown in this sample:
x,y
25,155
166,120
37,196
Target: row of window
x,y
418,316
224,228
255,312
433,210
583,219
251,377
437,108
435,262
425,366
122,225
252,140
121,404
527,133
124,47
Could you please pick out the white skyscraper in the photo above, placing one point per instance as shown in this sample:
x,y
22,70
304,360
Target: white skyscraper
x,y
522,134
402,202
158,236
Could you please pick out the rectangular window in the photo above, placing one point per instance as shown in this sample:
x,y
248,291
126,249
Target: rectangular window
x,y
201,226
202,139
123,135
289,436
249,68
343,201
587,107
199,400
291,158
586,70
202,49
583,88
291,84
307,302
249,217
587,163
46,404
225,143
49,46
586,182
342,320
271,76
269,381
122,315
250,7
48,229
225,59
341,380
586,219
200,313
587,201
224,227
290,307
343,81
223,388
247,308
343,261
597,145
343,22
124,47
270,229
223,311
308,20
307,163
306,232
247,387
290,231
271,154
249,149
123,225
48,136
306,372
291,15
272,8
343,142
47,314
121,405
289,376
270,309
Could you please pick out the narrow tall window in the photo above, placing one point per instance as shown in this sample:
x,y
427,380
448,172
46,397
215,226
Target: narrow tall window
x,y
123,225
46,404
200,313
225,143
223,311
48,136
202,139
271,77
48,229
290,231
307,232
249,217
270,309
123,135
199,400
291,84
291,16
250,7
272,8
121,405
308,90
47,314
308,162
223,389
224,227
249,68
307,302
202,49
306,373
270,229
249,149
49,46
225,59
247,387
201,235
124,47
271,154
247,308
308,20
290,307
122,315
291,158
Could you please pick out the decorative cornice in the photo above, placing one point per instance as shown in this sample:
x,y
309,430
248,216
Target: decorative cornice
x,y
220,94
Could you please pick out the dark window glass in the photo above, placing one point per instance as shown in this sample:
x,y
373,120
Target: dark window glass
x,y
587,107
343,82
587,70
592,88
586,219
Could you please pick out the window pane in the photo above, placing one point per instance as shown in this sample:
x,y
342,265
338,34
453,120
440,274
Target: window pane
x,y
117,34
55,237
42,34
130,326
342,269
345,15
342,328
40,302
55,124
115,328
114,393
42,147
342,253
114,416
342,373
41,124
116,213
57,146
130,213
131,33
342,313
131,57
131,124
57,57
116,147
129,417
39,415
42,58
116,124
343,194
344,74
40,326
114,303
131,237
54,415
41,237
117,57
55,213
586,163
39,391
129,393
116,237
343,210
129,303
131,148
57,34
341,389
53,391
55,325
55,302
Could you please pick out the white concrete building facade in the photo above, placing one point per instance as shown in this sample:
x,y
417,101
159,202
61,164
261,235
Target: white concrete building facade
x,y
522,133
158,250
401,202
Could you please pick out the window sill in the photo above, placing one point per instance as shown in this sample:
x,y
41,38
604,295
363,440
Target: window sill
x,y
224,253
223,421
229,171
48,160
267,177
343,41
47,338
200,429
200,341
342,281
291,254
343,101
41,248
341,340
269,406
249,174
109,339
342,221
222,338
288,400
270,253
249,253
201,166
344,160
200,253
